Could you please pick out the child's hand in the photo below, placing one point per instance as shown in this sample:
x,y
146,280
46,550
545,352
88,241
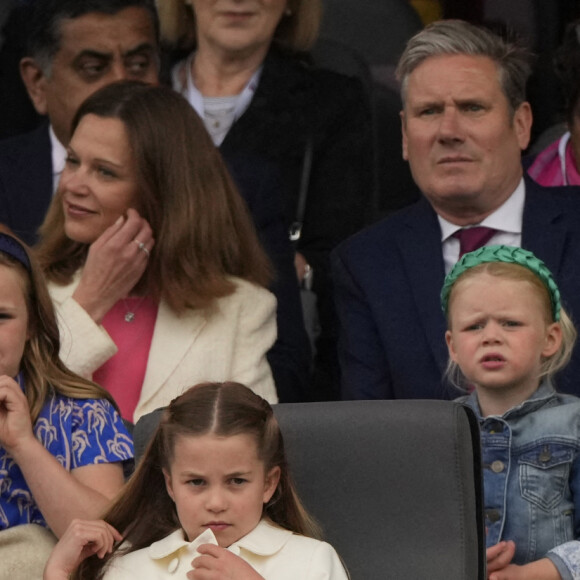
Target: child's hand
x,y
82,539
217,563
539,570
499,556
15,423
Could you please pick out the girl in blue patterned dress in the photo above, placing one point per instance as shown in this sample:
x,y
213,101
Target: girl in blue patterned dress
x,y
62,442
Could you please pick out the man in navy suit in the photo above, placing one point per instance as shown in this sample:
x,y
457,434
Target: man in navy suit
x,y
465,122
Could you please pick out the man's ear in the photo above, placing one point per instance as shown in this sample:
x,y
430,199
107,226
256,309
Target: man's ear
x,y
35,81
523,124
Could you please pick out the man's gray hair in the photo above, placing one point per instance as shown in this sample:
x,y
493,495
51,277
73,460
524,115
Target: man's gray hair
x,y
450,37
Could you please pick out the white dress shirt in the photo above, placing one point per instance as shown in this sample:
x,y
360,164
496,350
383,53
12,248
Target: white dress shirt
x,y
58,158
506,219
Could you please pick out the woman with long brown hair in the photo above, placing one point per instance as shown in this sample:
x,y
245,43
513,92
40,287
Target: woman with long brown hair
x,y
153,262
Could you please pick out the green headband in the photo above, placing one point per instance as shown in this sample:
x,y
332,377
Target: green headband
x,y
508,255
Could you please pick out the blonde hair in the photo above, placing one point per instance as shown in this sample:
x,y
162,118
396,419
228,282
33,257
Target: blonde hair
x,y
297,30
43,372
509,271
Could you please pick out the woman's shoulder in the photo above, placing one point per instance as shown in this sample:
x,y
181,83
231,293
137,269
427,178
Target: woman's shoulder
x,y
309,78
246,290
247,298
304,65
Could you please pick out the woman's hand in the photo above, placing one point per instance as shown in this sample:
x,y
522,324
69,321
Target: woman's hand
x,y
82,539
216,563
15,424
115,263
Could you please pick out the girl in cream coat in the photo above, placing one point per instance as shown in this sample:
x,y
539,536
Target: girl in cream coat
x,y
225,506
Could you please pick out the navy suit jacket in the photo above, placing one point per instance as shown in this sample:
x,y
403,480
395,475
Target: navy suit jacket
x,y
387,283
26,193
25,182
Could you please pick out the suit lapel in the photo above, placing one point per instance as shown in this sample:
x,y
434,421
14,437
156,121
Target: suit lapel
x,y
420,247
543,229
173,338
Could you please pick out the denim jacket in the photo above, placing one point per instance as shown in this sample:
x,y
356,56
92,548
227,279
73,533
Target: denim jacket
x,y
531,478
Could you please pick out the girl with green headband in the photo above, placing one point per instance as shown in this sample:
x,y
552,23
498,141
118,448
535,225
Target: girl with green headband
x,y
507,336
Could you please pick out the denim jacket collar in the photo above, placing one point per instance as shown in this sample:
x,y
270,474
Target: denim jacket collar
x,y
544,395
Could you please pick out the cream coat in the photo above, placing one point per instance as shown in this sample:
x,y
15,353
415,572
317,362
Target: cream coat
x,y
275,553
229,342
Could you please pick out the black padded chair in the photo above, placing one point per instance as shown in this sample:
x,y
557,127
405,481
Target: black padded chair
x,y
396,485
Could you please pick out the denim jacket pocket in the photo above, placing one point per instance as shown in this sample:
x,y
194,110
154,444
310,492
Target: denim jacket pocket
x,y
544,473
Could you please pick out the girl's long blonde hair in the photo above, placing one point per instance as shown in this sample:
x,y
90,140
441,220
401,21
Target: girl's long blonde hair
x,y
43,372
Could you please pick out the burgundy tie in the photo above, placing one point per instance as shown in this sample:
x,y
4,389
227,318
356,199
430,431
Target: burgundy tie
x,y
473,238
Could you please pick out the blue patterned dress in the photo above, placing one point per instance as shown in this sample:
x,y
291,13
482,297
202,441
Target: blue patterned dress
x,y
77,432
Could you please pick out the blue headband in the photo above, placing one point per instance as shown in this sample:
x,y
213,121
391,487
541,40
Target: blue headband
x,y
13,248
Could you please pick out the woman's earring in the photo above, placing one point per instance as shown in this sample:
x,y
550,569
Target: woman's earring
x,y
287,12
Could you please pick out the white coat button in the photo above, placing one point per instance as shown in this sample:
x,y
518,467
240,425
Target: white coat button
x,y
173,565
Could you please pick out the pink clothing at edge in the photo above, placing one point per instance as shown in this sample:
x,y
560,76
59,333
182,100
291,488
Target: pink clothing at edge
x,y
555,165
275,553
123,374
